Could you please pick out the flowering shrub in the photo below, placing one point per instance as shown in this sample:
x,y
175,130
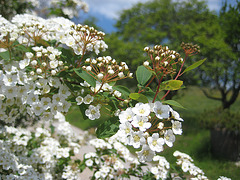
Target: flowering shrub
x,y
66,8
49,65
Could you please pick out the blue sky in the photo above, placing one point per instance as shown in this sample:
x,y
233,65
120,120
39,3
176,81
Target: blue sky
x,y
107,11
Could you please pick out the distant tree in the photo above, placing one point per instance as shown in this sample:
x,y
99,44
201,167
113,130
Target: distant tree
x,y
223,71
161,22
171,22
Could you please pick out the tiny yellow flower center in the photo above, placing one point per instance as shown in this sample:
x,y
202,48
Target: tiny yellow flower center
x,y
154,143
136,138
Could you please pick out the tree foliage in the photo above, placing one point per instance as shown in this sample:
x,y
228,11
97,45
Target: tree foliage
x,y
166,21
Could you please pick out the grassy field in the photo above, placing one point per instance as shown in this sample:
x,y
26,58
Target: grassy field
x,y
195,140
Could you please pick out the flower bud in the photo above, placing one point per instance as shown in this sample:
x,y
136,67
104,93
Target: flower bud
x,y
88,68
121,75
146,63
34,62
100,76
39,71
53,72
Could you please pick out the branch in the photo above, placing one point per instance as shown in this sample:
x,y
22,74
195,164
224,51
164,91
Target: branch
x,y
209,96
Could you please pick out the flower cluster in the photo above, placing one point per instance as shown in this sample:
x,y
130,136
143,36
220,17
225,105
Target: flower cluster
x,y
149,126
162,169
24,94
44,61
106,69
111,159
66,8
38,154
84,38
186,163
162,60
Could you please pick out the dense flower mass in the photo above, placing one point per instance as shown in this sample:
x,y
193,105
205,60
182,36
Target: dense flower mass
x,y
48,65
27,154
149,126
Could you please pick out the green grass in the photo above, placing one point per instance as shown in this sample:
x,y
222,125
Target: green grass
x,y
194,141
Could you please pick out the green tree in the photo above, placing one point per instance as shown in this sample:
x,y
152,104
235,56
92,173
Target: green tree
x,y
166,21
222,72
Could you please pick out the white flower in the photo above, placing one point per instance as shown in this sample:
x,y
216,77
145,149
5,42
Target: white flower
x,y
155,143
10,80
175,115
46,89
46,102
88,99
89,162
117,94
93,112
37,108
79,100
63,91
146,154
126,115
141,109
176,127
125,129
24,63
161,111
154,170
223,178
29,55
53,64
169,137
141,122
137,139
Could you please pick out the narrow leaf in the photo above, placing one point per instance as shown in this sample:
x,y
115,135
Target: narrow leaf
x,y
171,85
195,65
5,55
108,128
139,97
173,103
85,76
143,75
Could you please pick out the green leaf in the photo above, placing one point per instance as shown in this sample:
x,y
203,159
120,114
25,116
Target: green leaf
x,y
139,97
195,65
143,75
150,95
83,108
124,90
173,103
87,77
5,55
171,85
108,128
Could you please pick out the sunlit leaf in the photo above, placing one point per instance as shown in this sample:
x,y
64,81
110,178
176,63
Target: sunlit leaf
x,y
85,76
139,97
171,85
173,103
195,65
143,75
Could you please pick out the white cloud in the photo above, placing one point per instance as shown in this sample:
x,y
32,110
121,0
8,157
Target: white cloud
x,y
111,8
